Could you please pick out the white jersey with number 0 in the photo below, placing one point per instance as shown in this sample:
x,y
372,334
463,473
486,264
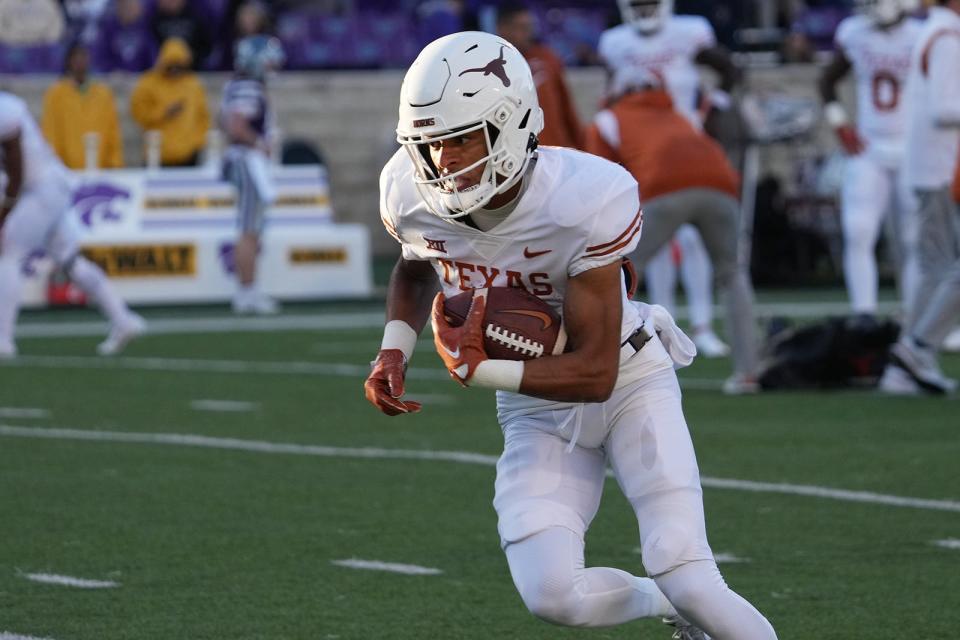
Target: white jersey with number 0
x,y
670,53
39,162
881,66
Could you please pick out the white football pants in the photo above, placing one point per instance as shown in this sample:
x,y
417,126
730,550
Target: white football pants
x,y
869,191
41,221
696,274
547,494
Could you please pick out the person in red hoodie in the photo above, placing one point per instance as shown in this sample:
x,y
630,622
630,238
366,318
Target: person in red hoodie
x,y
561,126
684,178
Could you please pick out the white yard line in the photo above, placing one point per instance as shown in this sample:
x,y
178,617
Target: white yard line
x,y
462,457
70,581
392,567
358,320
7,635
223,406
23,412
949,543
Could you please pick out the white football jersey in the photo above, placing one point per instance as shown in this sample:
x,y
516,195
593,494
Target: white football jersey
x,y
881,66
669,53
39,160
578,212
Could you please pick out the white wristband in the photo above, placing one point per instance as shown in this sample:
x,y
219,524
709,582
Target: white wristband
x,y
835,114
397,334
505,375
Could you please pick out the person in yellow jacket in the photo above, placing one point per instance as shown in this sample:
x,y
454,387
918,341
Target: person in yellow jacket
x,y
75,107
171,99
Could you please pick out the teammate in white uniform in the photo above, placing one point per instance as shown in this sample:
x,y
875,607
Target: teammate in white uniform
x,y
933,142
653,39
876,43
474,204
34,216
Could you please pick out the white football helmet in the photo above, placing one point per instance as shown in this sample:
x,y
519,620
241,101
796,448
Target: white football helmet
x,y
647,16
464,82
881,12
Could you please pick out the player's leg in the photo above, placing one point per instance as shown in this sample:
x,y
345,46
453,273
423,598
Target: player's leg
x,y
696,273
717,215
660,277
546,497
653,459
904,222
245,176
865,197
63,247
24,230
654,255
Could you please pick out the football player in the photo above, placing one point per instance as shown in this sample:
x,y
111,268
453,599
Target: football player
x,y
684,178
933,142
876,44
474,203
653,39
35,216
245,117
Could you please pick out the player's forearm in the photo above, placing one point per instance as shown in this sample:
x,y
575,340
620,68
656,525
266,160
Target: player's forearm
x,y
572,377
13,167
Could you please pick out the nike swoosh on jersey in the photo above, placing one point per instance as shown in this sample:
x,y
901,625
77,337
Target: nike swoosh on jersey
x,y
539,315
533,254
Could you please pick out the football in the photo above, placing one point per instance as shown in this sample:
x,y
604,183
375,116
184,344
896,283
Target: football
x,y
517,325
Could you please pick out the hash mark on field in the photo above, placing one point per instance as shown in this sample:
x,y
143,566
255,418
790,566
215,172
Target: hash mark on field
x,y
949,543
224,406
391,567
462,457
23,412
70,581
6,635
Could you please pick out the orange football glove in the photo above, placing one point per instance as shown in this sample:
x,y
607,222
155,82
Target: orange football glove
x,y
849,139
460,348
384,385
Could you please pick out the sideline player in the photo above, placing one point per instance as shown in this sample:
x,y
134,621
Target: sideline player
x,y
684,178
35,215
876,44
473,203
933,142
246,120
652,38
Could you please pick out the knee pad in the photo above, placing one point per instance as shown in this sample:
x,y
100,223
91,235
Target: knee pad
x,y
664,548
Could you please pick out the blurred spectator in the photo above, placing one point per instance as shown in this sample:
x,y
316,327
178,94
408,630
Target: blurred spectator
x,y
243,18
437,18
516,23
82,17
171,99
76,106
30,22
725,17
187,21
125,41
813,28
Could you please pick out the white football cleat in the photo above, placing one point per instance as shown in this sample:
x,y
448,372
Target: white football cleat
x,y
741,384
709,345
951,344
8,350
897,382
684,629
921,364
256,303
121,334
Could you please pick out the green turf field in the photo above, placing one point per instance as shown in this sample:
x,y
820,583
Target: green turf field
x,y
211,542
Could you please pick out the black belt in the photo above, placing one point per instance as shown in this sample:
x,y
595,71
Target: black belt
x,y
635,342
